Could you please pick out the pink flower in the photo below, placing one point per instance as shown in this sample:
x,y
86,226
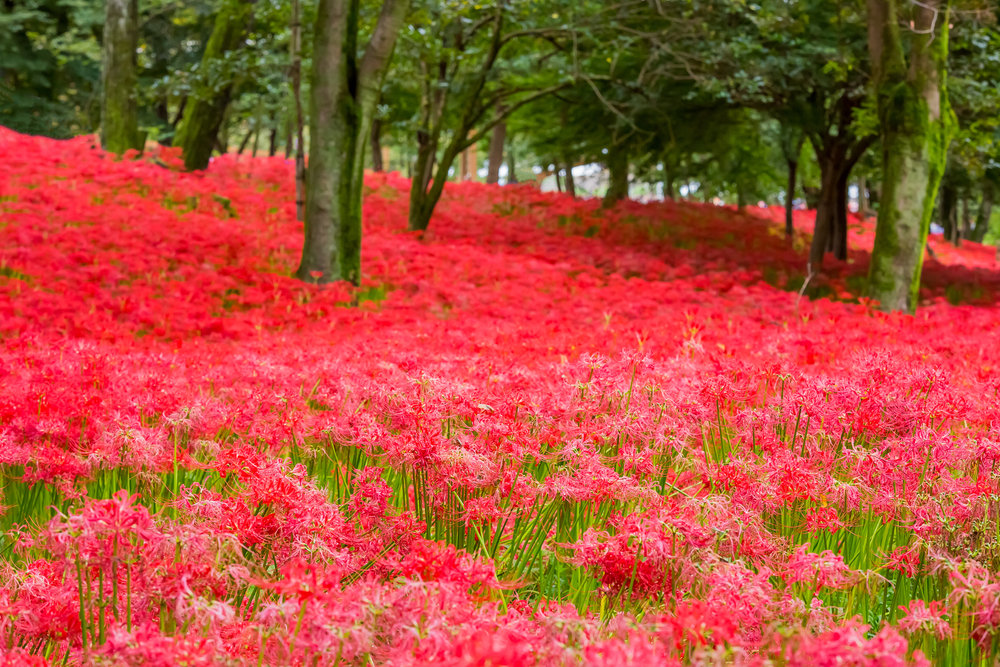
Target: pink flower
x,y
921,617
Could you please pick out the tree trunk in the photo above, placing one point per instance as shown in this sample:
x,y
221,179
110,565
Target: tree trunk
x,y
290,139
511,169
864,202
793,166
119,115
792,138
916,123
345,92
376,141
468,170
839,236
555,172
966,218
617,176
495,156
296,136
832,164
570,182
246,140
272,144
948,196
837,156
204,114
984,214
428,184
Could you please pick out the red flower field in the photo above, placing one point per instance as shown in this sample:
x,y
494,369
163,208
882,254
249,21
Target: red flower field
x,y
542,434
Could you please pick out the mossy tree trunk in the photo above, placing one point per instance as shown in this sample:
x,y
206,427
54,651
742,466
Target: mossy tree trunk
x,y
119,115
203,115
345,91
916,124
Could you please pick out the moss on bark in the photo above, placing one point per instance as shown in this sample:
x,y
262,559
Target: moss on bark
x,y
916,123
119,116
203,115
345,91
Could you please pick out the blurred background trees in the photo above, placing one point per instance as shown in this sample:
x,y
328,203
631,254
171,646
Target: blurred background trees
x,y
718,101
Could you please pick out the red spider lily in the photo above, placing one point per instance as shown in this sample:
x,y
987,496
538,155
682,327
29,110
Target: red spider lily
x,y
548,434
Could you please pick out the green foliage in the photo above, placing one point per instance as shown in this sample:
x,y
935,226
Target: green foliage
x,y
50,66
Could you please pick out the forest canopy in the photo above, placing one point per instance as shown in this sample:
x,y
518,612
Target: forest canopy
x,y
857,104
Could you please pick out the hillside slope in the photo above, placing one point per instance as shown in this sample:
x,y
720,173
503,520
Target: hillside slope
x,y
545,435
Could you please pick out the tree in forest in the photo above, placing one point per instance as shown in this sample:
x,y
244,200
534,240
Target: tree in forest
x,y
804,64
475,68
617,164
203,115
916,124
119,114
345,91
496,152
972,175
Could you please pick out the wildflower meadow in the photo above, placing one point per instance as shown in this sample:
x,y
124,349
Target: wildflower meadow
x,y
539,433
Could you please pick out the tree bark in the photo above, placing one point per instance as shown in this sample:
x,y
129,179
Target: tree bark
x,y
839,237
376,141
570,182
793,166
296,136
983,214
947,197
617,164
792,138
119,115
495,156
511,167
966,218
204,114
916,123
246,140
345,91
833,169
837,155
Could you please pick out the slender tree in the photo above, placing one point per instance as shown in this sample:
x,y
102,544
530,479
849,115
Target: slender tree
x,y
495,158
345,91
297,134
473,75
792,139
916,124
119,117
